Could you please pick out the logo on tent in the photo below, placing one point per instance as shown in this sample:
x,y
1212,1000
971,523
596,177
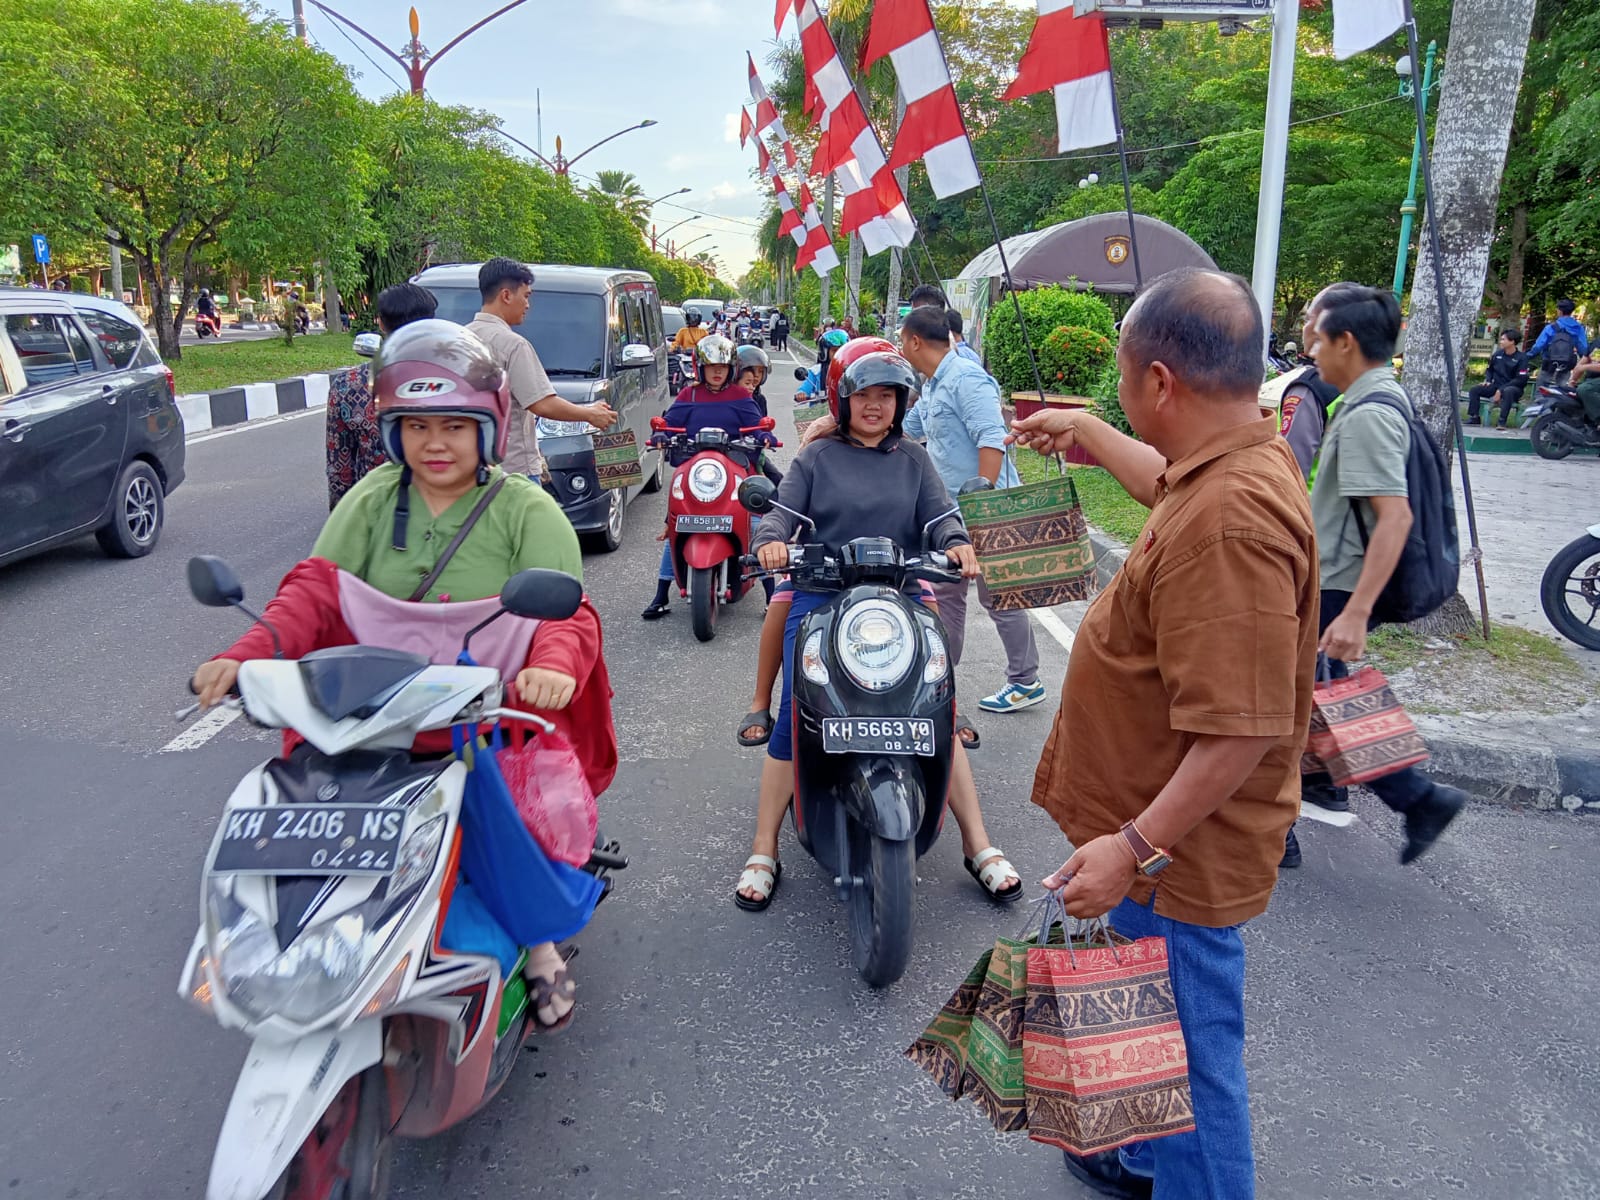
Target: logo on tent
x,y
1117,249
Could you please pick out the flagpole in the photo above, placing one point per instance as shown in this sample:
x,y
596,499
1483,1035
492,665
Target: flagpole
x,y
994,226
1127,187
1451,379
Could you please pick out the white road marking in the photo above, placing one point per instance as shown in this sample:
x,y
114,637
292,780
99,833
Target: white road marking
x,y
229,430
203,730
1054,626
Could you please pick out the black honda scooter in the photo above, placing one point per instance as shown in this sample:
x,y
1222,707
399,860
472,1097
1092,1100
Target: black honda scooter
x,y
874,728
1557,424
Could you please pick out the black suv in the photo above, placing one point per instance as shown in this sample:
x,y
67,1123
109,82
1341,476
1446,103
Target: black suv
x,y
91,440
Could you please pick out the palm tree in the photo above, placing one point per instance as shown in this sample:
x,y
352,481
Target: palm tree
x,y
623,190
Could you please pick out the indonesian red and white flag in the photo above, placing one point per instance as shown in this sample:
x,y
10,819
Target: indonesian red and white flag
x,y
817,250
790,221
766,110
932,128
1361,24
745,127
781,17
1069,55
765,159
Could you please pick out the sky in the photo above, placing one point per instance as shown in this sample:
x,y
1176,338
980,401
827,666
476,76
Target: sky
x,y
598,66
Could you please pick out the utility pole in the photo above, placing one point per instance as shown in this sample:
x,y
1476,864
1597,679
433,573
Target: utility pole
x,y
1274,156
891,301
1408,209
331,306
823,311
300,31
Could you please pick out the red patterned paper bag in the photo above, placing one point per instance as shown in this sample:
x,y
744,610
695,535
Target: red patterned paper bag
x,y
1359,731
1103,1057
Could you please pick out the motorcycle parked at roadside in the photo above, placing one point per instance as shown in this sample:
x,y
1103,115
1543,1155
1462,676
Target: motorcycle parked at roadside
x,y
710,530
874,728
323,907
1557,424
1570,590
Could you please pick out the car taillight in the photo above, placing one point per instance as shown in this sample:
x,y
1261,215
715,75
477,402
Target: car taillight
x,y
172,384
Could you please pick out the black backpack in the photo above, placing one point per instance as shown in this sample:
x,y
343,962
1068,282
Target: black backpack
x,y
1429,570
1561,351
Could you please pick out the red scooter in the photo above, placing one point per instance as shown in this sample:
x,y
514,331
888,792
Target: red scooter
x,y
709,528
206,323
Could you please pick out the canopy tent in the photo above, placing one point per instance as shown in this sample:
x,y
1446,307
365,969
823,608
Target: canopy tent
x,y
1092,251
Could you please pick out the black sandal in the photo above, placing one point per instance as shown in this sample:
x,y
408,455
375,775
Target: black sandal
x,y
965,726
656,611
756,716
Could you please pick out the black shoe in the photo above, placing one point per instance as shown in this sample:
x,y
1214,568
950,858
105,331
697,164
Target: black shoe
x,y
1428,819
1334,801
1291,851
1474,421
657,610
1105,1174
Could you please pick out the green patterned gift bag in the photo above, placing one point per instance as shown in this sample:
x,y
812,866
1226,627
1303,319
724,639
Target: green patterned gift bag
x,y
1032,543
616,459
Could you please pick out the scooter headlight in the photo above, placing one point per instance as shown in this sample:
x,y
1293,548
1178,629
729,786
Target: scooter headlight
x,y
876,643
708,479
323,966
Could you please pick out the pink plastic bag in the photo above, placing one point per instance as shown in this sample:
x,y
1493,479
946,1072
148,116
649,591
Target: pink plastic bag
x,y
552,794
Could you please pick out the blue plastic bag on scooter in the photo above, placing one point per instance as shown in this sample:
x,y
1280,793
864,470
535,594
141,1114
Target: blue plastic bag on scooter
x,y
534,899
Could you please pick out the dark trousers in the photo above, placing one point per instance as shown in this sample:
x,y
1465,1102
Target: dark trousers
x,y
1399,791
1510,393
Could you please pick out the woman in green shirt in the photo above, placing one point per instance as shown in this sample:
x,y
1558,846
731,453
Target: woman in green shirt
x,y
443,414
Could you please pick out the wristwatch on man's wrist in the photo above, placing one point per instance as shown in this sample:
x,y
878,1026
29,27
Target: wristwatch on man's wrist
x,y
1151,860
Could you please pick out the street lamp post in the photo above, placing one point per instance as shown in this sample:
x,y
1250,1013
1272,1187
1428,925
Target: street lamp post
x,y
691,242
655,237
1408,210
560,164
668,196
414,60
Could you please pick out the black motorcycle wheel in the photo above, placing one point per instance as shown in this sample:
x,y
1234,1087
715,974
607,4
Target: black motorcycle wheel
x,y
882,906
1571,584
703,603
1548,441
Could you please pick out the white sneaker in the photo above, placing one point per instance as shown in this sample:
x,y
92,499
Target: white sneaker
x,y
1013,697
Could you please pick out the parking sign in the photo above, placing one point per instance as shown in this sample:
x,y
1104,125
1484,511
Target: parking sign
x,y
41,249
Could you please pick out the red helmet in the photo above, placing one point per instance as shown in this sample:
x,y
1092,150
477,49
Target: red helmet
x,y
440,368
847,354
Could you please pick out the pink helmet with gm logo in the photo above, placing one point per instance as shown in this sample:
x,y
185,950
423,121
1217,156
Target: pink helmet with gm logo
x,y
439,368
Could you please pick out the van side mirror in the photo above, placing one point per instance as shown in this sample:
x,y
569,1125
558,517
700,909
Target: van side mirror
x,y
542,594
634,356
756,494
366,344
213,582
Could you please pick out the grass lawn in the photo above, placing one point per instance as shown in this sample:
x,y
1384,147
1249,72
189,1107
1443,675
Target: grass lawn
x,y
1517,670
1105,505
230,364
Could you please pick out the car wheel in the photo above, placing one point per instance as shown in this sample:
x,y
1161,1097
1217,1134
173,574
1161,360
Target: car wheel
x,y
610,537
136,514
658,477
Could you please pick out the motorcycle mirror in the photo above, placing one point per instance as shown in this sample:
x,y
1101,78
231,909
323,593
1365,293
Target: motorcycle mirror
x,y
768,423
658,423
976,484
756,494
800,373
542,594
213,582
366,344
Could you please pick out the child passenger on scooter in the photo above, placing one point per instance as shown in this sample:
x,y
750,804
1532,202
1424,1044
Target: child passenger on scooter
x,y
715,402
864,480
382,568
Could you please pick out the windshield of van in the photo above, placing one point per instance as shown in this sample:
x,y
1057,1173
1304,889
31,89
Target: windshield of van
x,y
567,329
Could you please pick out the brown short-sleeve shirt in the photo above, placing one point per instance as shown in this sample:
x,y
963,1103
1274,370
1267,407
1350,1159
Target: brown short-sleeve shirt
x,y
1209,628
529,384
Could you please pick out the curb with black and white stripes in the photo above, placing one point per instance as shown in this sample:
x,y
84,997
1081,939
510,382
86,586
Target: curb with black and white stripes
x,y
205,411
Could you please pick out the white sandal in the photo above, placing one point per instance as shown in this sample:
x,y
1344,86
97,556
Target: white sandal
x,y
761,874
991,868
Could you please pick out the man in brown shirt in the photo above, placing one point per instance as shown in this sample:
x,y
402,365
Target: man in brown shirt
x,y
1173,765
507,289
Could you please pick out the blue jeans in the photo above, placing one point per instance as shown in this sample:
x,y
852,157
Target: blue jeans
x,y
780,745
1216,1161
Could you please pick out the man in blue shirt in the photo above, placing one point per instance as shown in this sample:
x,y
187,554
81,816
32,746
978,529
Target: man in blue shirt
x,y
1563,342
958,414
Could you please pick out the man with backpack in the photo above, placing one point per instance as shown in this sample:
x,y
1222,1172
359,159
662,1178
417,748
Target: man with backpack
x,y
1560,346
1385,522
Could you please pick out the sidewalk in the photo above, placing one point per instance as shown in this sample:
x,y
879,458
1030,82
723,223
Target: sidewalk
x,y
1527,509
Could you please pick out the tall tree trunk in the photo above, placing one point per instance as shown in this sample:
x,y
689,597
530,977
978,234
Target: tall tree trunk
x,y
1483,73
1516,269
153,273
